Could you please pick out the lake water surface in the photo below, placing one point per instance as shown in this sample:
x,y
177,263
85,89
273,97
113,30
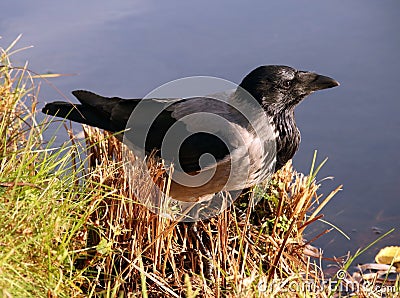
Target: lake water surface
x,y
128,48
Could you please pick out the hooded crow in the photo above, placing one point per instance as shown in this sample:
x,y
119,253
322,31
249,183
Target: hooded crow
x,y
276,89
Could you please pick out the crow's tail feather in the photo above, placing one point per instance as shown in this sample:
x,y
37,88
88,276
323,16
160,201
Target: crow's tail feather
x,y
78,113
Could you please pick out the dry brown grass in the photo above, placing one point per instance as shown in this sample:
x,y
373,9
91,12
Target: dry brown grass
x,y
137,252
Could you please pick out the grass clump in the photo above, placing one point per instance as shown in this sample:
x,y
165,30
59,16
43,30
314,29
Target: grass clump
x,y
43,202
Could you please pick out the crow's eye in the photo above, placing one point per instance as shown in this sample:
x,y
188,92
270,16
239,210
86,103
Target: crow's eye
x,y
286,84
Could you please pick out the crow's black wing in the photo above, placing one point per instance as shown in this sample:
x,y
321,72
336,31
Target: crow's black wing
x,y
113,114
183,131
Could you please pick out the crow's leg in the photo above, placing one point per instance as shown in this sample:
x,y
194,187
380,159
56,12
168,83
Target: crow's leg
x,y
199,238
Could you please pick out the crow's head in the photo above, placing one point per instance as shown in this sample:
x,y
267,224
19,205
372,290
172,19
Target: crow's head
x,y
278,87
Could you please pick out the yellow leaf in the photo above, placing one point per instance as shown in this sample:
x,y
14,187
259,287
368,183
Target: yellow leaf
x,y
388,255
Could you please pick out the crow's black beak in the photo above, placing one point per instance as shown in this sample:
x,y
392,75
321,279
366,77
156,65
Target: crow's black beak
x,y
322,82
313,81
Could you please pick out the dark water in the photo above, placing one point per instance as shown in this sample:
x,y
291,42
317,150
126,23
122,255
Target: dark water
x,y
127,48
